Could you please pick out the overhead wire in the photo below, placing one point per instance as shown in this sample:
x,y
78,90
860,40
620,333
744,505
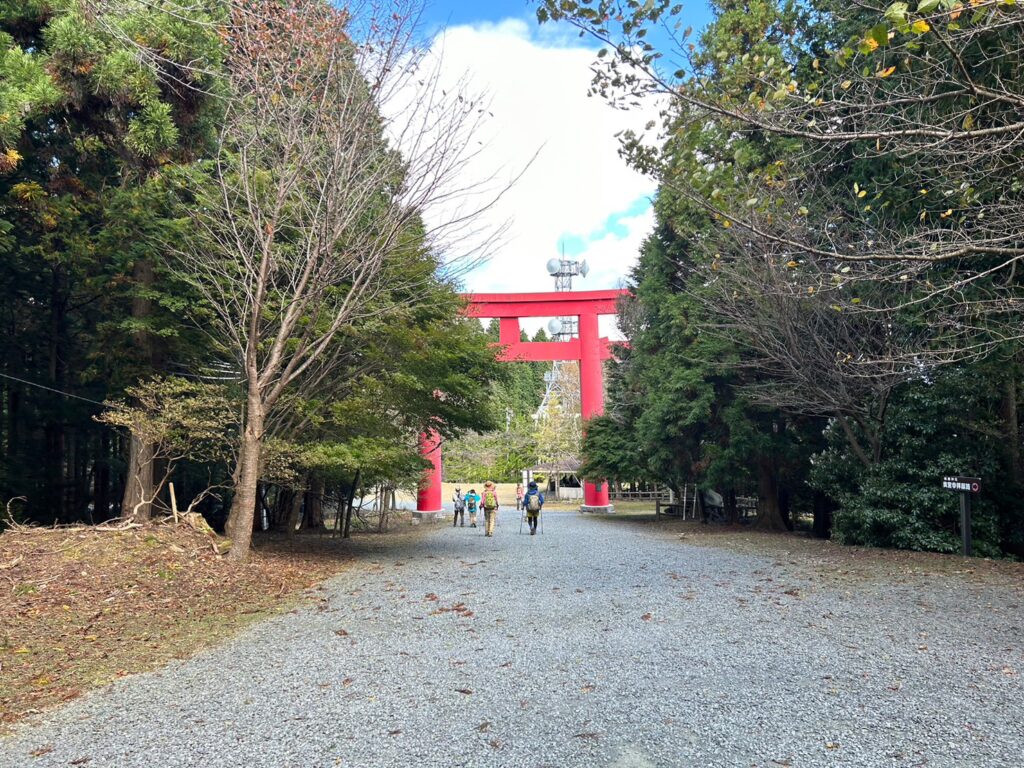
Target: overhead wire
x,y
50,389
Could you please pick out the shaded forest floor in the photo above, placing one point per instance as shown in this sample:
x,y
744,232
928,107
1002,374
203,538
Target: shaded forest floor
x,y
826,561
81,607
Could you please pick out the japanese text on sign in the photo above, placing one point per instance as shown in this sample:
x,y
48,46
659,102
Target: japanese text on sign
x,y
962,484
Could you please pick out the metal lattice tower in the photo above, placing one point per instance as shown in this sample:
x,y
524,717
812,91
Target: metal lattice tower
x,y
563,270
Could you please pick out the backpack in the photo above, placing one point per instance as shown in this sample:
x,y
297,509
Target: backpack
x,y
472,505
490,500
533,502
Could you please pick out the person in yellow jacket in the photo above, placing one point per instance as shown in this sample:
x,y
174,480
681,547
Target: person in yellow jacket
x,y
490,504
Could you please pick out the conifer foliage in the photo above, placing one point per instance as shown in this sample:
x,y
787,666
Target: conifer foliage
x,y
220,203
828,316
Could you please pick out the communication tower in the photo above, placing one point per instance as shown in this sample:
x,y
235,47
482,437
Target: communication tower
x,y
563,270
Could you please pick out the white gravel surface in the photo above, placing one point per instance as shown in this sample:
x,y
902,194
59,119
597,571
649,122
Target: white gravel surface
x,y
598,643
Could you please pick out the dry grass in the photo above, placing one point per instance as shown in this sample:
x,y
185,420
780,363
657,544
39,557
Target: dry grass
x,y
81,607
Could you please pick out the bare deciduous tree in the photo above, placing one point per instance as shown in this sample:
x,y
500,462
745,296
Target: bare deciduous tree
x,y
317,184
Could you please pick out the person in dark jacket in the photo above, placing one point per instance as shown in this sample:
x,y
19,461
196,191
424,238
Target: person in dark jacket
x,y
460,507
533,503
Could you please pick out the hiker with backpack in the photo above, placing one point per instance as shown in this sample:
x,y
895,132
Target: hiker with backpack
x,y
533,503
471,501
460,507
490,503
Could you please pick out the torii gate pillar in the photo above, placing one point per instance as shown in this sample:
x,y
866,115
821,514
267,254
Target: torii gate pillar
x,y
595,495
590,350
428,500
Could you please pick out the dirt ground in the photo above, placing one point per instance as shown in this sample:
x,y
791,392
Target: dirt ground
x,y
825,561
83,606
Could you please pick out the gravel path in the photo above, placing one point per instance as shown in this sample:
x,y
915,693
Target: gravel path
x,y
598,643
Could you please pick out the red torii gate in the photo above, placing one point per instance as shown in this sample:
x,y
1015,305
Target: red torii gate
x,y
590,350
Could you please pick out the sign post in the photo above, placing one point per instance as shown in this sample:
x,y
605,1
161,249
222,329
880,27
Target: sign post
x,y
966,487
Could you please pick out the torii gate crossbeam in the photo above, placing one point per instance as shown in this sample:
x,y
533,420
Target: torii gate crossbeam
x,y
590,350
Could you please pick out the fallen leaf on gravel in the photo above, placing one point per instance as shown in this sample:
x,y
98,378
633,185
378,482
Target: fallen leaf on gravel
x,y
80,761
341,632
43,750
831,745
507,664
592,735
496,743
484,726
588,688
347,682
646,617
395,732
466,691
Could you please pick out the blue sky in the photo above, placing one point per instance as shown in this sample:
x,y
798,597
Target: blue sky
x,y
577,193
454,12
440,13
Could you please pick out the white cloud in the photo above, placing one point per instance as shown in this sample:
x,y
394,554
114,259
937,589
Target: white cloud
x,y
537,86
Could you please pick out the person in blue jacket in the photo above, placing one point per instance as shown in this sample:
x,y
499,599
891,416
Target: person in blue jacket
x,y
533,502
472,502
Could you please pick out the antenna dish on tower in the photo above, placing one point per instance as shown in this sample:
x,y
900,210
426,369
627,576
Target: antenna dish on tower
x,y
584,267
554,326
554,265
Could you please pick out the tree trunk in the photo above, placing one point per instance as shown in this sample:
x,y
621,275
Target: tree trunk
x,y
263,508
351,503
101,484
823,507
54,429
1011,427
314,517
281,509
140,483
769,514
732,510
784,508
137,502
13,415
243,506
294,516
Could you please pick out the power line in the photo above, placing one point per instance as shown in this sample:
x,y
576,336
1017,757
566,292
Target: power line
x,y
50,389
